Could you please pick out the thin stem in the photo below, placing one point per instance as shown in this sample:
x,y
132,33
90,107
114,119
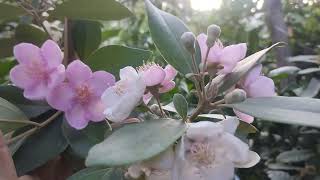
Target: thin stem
x,y
20,121
160,107
108,123
197,111
196,69
33,130
215,104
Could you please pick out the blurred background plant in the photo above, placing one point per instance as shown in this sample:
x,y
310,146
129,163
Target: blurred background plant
x,y
288,152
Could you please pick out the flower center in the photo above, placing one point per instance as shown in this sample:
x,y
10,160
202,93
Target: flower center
x,y
83,94
120,88
202,153
36,70
146,66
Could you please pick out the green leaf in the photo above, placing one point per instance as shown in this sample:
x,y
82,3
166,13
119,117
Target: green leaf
x,y
5,67
309,71
224,82
91,10
41,147
181,105
6,47
279,175
15,95
114,57
294,156
289,110
136,142
166,31
81,141
31,34
312,89
97,173
86,36
283,71
110,33
11,117
305,59
8,12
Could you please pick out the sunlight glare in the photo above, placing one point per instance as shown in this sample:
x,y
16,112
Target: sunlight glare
x,y
205,5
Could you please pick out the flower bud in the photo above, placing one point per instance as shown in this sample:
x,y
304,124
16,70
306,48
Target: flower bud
x,y
156,109
235,96
213,33
188,40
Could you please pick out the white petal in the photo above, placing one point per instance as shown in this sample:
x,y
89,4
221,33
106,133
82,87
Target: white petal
x,y
203,129
128,73
253,159
230,124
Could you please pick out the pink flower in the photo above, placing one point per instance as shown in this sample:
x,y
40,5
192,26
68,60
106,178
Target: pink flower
x,y
39,69
223,56
79,96
154,76
255,85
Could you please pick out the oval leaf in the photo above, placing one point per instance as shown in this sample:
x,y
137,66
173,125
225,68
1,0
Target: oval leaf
x,y
289,110
10,12
114,57
81,141
86,36
136,142
312,89
30,108
308,71
295,156
305,59
30,33
41,147
91,10
11,117
283,71
166,31
181,105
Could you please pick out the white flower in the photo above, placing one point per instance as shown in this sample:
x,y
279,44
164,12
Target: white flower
x,y
156,168
124,96
210,151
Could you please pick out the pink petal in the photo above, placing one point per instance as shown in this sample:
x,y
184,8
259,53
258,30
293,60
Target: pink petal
x,y
147,97
20,76
171,73
213,55
51,53
262,87
231,55
202,38
37,92
154,75
167,87
252,75
95,110
57,76
27,53
244,117
76,117
77,72
100,81
61,96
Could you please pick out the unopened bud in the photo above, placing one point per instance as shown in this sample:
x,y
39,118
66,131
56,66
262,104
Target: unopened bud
x,y
235,96
155,109
213,33
188,40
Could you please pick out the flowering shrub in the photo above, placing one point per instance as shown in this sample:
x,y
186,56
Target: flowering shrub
x,y
122,128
